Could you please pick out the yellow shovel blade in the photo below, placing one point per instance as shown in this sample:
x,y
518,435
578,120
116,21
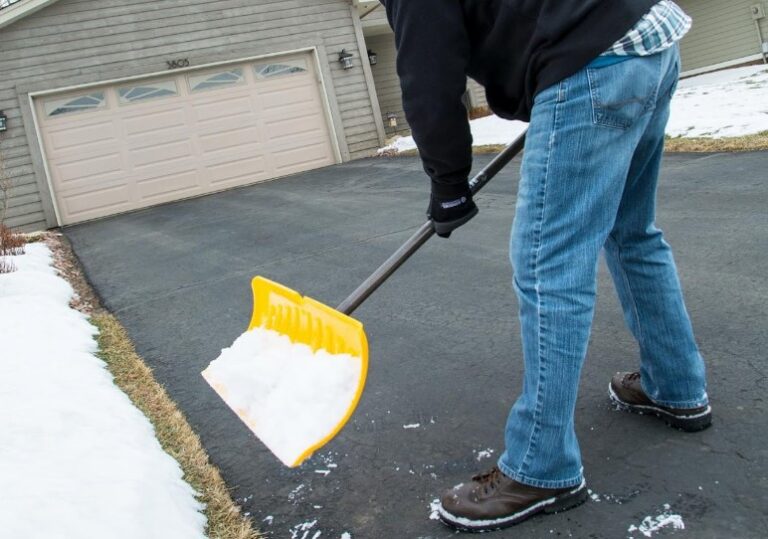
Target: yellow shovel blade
x,y
306,321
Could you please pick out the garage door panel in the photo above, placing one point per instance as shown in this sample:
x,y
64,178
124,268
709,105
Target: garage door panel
x,y
66,138
289,127
206,135
95,203
286,98
168,187
141,122
247,139
83,170
168,152
302,158
207,109
238,172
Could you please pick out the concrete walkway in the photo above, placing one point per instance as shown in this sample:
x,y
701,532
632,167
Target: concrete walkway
x,y
445,349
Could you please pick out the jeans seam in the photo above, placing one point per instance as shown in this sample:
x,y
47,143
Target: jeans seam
x,y
539,404
630,293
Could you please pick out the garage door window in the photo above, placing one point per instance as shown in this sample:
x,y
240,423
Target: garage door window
x,y
147,90
212,81
80,103
278,69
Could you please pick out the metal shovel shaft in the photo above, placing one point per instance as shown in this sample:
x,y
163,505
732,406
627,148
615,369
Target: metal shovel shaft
x,y
425,232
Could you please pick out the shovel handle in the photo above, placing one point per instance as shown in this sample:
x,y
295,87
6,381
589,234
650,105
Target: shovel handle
x,y
425,232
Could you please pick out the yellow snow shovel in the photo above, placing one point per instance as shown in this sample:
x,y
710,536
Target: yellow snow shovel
x,y
310,322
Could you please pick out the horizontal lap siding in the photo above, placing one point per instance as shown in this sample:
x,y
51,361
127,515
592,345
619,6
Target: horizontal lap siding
x,y
723,30
476,94
387,82
77,41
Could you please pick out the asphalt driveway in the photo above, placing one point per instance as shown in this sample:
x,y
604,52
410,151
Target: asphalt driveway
x,y
445,349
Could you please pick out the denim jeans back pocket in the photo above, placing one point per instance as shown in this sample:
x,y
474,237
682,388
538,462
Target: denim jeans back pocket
x,y
621,93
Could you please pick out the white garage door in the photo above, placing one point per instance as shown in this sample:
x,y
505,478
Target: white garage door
x,y
136,144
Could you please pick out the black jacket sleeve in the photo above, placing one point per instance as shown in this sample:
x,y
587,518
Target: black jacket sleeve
x,y
432,56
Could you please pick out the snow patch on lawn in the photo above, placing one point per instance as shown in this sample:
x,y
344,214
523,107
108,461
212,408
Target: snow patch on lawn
x,y
728,103
77,459
290,396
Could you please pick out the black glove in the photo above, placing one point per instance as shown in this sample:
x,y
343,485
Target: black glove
x,y
450,206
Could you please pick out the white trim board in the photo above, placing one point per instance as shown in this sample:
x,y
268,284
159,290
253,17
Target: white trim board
x,y
721,65
19,10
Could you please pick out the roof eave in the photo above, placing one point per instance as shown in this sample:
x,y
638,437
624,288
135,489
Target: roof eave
x,y
19,10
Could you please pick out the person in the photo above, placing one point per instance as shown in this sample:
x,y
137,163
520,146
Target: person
x,y
594,78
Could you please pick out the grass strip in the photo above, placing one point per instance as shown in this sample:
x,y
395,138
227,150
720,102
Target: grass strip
x,y
173,432
746,143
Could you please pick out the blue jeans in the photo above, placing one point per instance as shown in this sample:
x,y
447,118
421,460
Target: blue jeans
x,y
588,182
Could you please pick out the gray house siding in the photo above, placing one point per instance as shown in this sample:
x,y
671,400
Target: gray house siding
x,y
76,42
723,31
387,82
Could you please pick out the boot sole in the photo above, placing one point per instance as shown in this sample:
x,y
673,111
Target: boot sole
x,y
563,502
686,423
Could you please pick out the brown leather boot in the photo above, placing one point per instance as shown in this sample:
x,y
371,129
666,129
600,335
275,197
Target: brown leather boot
x,y
492,501
626,392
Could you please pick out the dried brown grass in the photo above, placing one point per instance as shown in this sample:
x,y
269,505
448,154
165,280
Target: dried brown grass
x,y
479,112
11,242
174,433
746,143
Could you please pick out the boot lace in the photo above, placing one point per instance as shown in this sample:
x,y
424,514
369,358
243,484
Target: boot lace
x,y
489,480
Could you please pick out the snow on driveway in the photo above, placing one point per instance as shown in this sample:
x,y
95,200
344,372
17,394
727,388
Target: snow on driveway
x,y
727,103
77,459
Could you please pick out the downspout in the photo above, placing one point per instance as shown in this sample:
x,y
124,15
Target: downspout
x,y
760,37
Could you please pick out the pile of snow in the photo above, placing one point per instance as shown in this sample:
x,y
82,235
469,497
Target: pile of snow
x,y
485,131
77,459
727,103
290,396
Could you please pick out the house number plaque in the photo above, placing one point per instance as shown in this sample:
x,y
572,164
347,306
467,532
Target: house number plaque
x,y
176,64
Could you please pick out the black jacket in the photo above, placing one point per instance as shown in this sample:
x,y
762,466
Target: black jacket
x,y
514,48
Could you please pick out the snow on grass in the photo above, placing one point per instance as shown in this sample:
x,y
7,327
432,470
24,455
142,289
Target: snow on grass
x,y
290,396
77,459
728,103
652,524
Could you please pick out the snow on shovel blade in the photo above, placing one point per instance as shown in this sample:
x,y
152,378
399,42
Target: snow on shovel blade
x,y
296,376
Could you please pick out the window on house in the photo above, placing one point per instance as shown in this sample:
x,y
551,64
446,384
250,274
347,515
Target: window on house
x,y
221,79
277,69
147,90
80,103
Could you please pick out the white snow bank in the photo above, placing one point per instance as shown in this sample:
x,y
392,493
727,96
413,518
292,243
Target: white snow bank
x,y
288,395
727,103
77,459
